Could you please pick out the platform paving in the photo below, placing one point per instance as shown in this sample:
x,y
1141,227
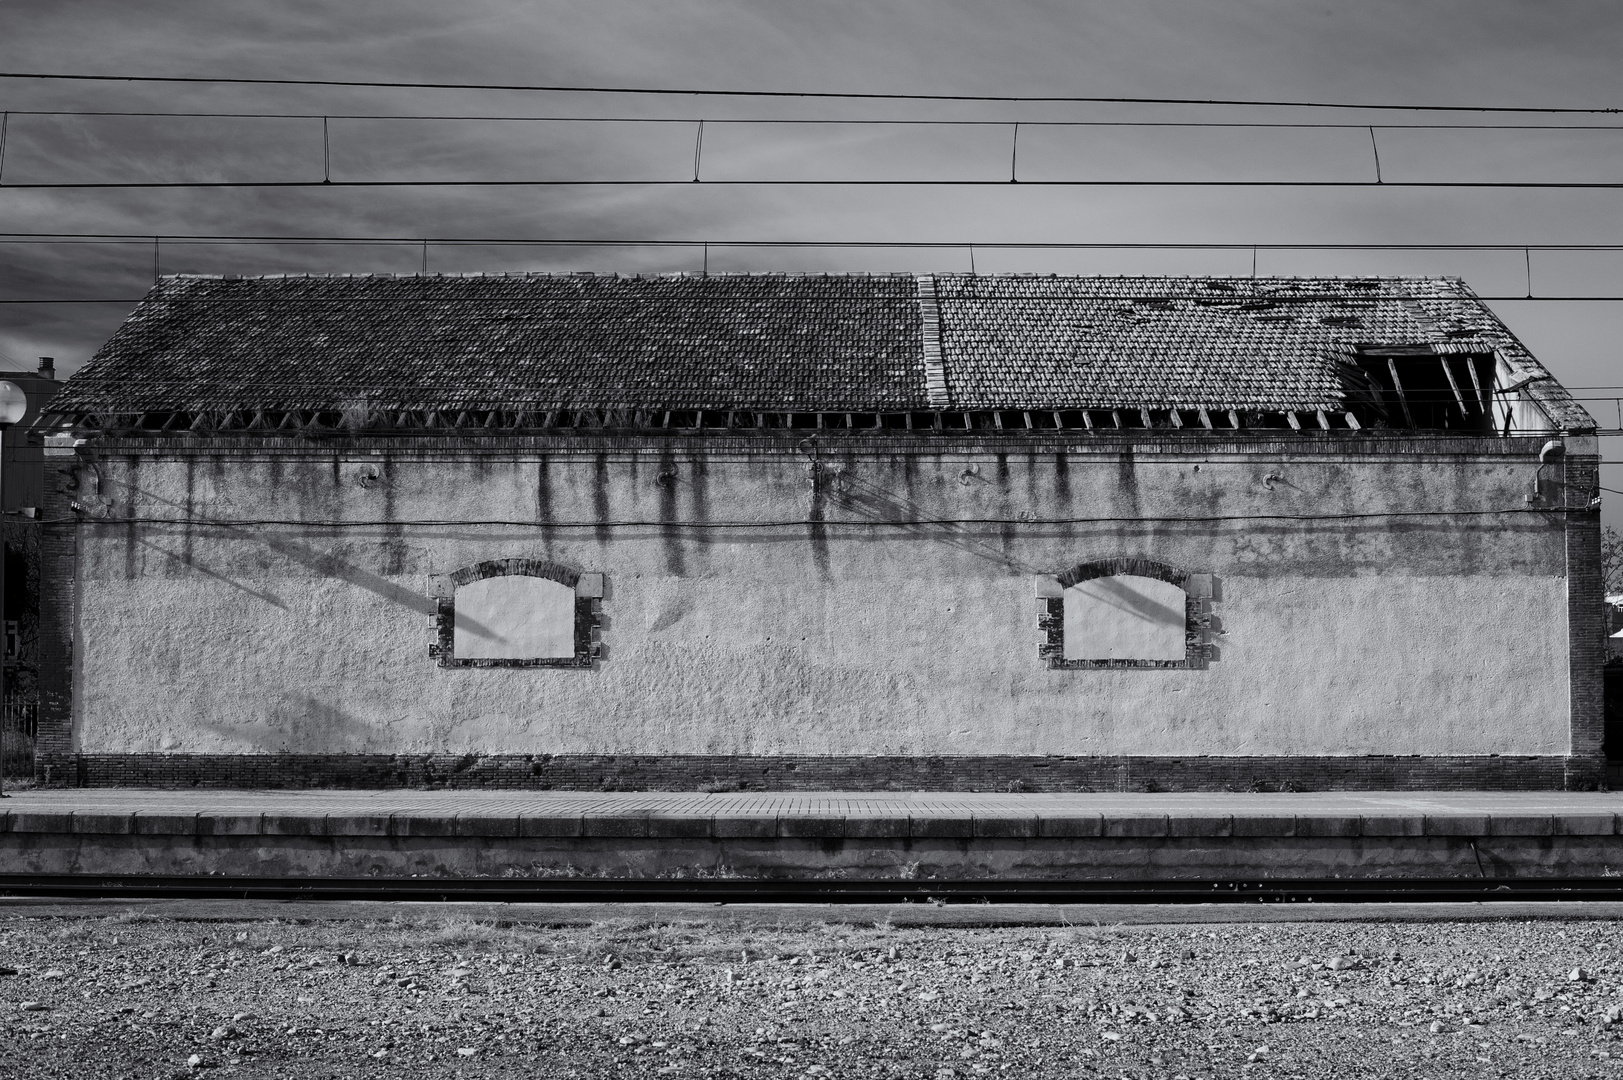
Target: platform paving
x,y
809,815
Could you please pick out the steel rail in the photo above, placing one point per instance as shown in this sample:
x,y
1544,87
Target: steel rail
x,y
812,890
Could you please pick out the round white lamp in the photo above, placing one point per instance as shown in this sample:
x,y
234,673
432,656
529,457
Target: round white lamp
x,y
13,407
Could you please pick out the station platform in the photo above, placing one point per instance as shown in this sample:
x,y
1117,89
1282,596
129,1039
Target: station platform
x,y
809,835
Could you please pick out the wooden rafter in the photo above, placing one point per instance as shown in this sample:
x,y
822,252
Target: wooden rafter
x,y
1397,385
1453,384
987,421
1484,399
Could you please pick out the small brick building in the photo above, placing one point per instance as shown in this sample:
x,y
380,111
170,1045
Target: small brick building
x,y
860,532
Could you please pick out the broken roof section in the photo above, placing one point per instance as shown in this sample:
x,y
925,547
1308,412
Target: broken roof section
x,y
516,349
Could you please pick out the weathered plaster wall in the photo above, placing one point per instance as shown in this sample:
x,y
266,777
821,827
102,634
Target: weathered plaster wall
x,y
1383,635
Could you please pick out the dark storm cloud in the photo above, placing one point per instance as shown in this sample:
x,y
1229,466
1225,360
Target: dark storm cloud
x,y
1445,53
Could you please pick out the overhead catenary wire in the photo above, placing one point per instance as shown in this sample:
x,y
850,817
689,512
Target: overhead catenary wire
x,y
256,185
14,237
820,121
843,95
1379,179
981,300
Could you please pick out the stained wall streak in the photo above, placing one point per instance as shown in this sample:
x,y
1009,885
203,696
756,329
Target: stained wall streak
x,y
913,634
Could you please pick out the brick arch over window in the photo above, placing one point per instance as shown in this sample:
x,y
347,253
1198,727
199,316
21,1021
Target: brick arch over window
x,y
1124,613
516,613
1111,567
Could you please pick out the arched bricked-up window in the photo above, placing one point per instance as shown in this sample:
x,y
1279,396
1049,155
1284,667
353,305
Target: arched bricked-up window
x,y
516,613
1124,613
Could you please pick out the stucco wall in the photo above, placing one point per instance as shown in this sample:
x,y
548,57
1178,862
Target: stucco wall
x,y
1387,635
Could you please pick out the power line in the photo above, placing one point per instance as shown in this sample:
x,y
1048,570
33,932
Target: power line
x,y
1013,177
576,300
11,363
840,95
794,523
1022,245
1551,185
1289,125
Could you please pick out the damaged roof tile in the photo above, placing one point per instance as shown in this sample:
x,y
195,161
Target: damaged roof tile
x,y
769,342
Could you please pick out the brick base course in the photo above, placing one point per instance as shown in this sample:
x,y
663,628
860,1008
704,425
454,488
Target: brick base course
x,y
627,772
931,825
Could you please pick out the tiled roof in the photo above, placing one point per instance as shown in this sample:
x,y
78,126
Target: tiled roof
x,y
540,341
773,342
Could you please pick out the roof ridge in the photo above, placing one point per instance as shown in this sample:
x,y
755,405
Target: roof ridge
x,y
700,275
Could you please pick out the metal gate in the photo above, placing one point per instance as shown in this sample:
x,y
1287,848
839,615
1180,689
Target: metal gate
x,y
19,723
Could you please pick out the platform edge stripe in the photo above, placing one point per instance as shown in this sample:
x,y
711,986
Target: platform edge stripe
x,y
940,826
1133,825
1005,826
690,826
1457,825
811,826
1585,824
624,825
1260,825
1067,826
1521,825
551,825
1377,825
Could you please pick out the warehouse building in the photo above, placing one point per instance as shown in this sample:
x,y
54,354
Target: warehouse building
x,y
820,532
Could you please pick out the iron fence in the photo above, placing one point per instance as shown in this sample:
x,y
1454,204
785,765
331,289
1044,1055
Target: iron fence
x,y
19,723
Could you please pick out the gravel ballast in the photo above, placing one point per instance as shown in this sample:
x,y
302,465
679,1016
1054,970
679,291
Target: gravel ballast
x,y
147,997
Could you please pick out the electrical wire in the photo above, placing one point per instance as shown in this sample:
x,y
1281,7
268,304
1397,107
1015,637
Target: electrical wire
x,y
1012,245
1293,125
796,523
843,95
257,185
1209,300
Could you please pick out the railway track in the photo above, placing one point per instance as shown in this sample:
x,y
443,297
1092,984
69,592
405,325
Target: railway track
x,y
815,891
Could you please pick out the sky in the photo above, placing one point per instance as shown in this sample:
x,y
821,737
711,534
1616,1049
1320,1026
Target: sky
x,y
1484,52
